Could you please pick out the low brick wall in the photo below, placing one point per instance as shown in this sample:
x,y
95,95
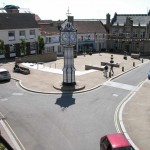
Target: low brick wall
x,y
46,57
135,56
107,63
88,67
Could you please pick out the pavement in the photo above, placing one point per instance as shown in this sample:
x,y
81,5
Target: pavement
x,y
134,112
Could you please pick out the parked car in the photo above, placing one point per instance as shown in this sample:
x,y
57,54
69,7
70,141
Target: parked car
x,y
115,141
149,75
4,74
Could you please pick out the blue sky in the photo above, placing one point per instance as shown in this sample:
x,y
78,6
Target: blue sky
x,y
80,9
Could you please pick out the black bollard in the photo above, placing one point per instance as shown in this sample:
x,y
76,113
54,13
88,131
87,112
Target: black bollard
x,y
133,64
110,74
122,69
142,60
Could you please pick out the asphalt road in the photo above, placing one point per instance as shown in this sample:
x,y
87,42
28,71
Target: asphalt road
x,y
66,121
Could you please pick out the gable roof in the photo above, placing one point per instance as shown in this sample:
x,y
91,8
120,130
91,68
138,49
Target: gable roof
x,y
142,19
89,26
17,21
49,27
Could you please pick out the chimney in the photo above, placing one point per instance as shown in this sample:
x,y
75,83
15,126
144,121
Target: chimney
x,y
11,9
71,19
108,22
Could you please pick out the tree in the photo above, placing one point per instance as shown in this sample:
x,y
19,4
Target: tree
x,y
40,44
23,46
2,47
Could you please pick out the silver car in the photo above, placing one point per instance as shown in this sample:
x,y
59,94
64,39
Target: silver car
x,y
4,74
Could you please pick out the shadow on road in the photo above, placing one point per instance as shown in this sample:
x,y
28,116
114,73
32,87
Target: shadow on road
x,y
65,100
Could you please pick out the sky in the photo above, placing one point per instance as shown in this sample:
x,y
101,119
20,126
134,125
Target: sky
x,y
80,9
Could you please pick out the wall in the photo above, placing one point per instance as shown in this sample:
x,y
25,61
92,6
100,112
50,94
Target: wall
x,y
47,57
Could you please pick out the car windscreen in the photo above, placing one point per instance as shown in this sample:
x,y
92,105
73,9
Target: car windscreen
x,y
4,72
124,148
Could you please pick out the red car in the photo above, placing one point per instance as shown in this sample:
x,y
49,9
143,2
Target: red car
x,y
115,141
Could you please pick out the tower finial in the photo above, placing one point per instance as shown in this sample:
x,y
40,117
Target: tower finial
x,y
68,12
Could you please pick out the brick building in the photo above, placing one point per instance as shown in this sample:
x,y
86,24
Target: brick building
x,y
129,32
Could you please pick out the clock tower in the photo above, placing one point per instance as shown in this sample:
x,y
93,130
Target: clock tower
x,y
68,39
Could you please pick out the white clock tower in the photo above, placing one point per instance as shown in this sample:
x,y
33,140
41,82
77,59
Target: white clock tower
x,y
68,41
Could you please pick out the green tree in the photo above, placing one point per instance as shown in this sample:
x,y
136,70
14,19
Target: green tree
x,y
23,47
2,147
40,44
2,47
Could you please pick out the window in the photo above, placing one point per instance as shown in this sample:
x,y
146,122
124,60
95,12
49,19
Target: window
x,y
120,46
49,41
12,48
142,35
22,34
142,48
52,48
32,45
32,34
120,32
59,49
114,32
11,35
135,34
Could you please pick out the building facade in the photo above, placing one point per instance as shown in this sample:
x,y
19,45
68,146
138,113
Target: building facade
x,y
91,35
129,32
15,26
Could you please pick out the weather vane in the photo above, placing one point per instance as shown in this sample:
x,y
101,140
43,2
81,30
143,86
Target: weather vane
x,y
68,12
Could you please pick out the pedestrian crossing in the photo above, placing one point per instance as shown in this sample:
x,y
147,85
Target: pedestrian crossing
x,y
120,85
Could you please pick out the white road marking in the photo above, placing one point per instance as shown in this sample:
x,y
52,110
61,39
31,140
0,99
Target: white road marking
x,y
3,99
17,94
13,140
115,95
120,85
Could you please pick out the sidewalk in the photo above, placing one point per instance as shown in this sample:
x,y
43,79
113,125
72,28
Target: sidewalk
x,y
136,117
46,80
43,82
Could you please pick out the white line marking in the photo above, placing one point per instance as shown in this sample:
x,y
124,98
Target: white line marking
x,y
17,94
120,85
4,99
10,135
115,95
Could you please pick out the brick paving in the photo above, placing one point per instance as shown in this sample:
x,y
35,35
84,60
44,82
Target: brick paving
x,y
44,81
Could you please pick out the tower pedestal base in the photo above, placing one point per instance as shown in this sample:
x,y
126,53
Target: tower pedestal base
x,y
69,84
69,87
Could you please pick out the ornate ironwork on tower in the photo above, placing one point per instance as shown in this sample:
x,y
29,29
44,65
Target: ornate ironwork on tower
x,y
68,41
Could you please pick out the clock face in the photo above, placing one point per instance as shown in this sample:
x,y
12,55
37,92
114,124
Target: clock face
x,y
65,37
68,38
73,37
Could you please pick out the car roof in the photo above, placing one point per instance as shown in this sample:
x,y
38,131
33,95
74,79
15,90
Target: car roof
x,y
2,69
118,140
